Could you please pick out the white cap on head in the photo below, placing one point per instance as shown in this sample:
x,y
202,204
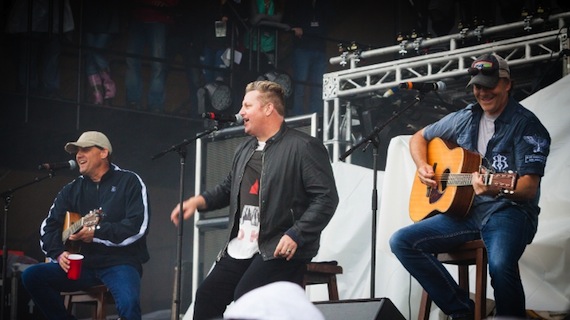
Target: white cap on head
x,y
89,139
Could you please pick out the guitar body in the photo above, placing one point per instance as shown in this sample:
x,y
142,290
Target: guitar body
x,y
70,219
446,159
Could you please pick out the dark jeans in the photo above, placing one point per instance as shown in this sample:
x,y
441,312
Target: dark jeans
x,y
231,278
308,67
506,234
152,34
45,281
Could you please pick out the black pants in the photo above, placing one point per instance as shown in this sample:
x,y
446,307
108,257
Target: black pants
x,y
231,278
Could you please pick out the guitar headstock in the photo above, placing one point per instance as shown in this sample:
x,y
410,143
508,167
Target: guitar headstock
x,y
505,181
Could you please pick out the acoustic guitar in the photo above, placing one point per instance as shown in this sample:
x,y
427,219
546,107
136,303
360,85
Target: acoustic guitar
x,y
74,222
454,194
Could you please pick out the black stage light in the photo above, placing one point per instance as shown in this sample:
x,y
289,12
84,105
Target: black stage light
x,y
214,96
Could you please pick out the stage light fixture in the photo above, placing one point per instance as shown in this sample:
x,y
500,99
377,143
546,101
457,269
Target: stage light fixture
x,y
216,95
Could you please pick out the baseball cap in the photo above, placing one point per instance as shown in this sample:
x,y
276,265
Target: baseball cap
x,y
487,69
89,139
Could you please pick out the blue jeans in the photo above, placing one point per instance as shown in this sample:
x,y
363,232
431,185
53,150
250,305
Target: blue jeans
x,y
308,67
154,35
506,234
95,61
45,281
231,278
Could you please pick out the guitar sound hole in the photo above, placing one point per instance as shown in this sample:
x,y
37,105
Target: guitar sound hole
x,y
436,193
444,178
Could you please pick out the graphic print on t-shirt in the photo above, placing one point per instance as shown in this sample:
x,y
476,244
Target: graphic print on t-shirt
x,y
244,245
249,224
249,221
255,188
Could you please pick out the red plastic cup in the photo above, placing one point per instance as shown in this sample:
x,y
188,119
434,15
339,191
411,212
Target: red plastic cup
x,y
75,261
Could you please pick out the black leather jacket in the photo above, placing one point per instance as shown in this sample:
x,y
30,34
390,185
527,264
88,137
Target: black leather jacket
x,y
297,195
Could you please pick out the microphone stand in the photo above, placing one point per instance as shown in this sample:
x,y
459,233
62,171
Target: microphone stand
x,y
182,151
372,138
7,196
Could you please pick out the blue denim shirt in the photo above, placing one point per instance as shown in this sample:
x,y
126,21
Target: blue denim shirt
x,y
520,143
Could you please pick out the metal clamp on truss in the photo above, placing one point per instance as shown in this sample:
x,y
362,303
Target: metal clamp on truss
x,y
417,44
353,49
527,20
403,50
478,32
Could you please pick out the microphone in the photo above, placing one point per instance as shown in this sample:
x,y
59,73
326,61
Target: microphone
x,y
71,164
391,91
423,86
237,118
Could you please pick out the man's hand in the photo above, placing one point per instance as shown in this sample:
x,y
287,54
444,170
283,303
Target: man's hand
x,y
418,151
298,32
426,175
86,234
189,208
286,248
63,261
480,186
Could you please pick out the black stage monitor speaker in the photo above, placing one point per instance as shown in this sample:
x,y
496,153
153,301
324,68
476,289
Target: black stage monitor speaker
x,y
366,309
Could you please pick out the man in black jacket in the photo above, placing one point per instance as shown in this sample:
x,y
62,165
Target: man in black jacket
x,y
282,194
113,242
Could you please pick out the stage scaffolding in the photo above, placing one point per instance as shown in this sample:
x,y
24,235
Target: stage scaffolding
x,y
530,44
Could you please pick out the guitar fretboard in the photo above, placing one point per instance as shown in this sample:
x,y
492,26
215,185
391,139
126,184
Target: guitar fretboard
x,y
457,179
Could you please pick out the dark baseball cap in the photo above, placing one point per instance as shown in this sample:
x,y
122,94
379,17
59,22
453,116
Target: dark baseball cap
x,y
487,69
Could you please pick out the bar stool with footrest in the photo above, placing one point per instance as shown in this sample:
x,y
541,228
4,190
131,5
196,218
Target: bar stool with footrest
x,y
470,253
98,296
323,273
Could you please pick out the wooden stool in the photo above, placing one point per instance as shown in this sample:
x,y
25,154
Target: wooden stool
x,y
472,252
323,273
98,296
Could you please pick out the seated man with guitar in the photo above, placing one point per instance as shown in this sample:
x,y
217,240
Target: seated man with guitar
x,y
497,141
104,215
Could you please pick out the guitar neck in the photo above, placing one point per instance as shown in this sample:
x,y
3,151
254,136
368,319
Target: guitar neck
x,y
72,229
74,222
500,180
457,179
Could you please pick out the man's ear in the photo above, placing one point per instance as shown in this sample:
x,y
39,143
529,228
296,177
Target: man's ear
x,y
104,153
269,109
510,85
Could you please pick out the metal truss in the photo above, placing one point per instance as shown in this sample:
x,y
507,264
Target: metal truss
x,y
340,88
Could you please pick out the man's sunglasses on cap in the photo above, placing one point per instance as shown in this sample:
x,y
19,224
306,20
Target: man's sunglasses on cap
x,y
487,68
